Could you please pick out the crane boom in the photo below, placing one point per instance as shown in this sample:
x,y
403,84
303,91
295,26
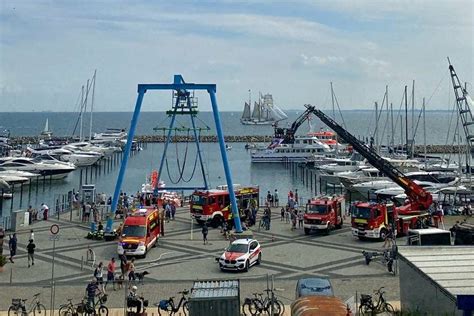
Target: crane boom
x,y
288,134
420,199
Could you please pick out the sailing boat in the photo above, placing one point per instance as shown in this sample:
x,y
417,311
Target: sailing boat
x,y
46,133
264,112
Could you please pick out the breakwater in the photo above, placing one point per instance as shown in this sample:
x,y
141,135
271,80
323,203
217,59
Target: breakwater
x,y
431,149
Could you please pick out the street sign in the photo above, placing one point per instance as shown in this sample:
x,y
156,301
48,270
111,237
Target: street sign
x,y
54,237
54,229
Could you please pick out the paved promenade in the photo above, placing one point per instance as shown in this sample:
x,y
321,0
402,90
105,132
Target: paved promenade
x,y
181,258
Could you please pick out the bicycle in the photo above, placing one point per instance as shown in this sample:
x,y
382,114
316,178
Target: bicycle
x,y
18,307
69,309
367,306
101,310
258,305
170,307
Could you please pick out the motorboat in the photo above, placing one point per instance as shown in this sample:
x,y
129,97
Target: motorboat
x,y
435,180
303,148
19,174
85,146
340,165
228,147
78,158
50,168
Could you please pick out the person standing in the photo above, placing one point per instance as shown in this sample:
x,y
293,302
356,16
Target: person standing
x,y
173,210
123,264
276,199
167,211
44,210
131,271
32,235
282,214
91,291
296,196
204,231
31,252
110,273
300,218
12,244
99,275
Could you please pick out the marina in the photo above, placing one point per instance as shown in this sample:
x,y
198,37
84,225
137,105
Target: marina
x,y
142,174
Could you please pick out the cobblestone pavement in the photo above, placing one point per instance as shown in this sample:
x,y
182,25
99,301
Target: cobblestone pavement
x,y
181,258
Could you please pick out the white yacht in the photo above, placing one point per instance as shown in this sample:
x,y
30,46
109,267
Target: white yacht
x,y
341,165
303,148
85,146
78,158
435,180
51,168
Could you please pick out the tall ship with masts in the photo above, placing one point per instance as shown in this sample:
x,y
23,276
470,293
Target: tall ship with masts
x,y
264,112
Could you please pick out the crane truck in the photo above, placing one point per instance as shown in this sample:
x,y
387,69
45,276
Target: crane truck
x,y
369,219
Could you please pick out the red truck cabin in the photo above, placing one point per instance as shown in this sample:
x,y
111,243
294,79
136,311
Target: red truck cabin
x,y
213,205
370,220
324,213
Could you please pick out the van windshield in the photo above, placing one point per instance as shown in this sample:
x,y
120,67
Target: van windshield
x,y
317,209
361,212
134,231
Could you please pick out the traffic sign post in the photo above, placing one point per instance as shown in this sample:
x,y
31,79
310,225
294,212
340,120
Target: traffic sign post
x,y
54,230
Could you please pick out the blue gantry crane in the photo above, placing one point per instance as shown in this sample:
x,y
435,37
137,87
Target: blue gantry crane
x,y
182,105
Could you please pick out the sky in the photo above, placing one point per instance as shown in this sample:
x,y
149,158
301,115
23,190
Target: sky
x,y
291,49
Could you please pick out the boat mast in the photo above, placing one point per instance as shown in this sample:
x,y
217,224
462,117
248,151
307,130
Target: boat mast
x,y
424,128
80,114
406,120
392,141
376,127
333,108
92,104
412,147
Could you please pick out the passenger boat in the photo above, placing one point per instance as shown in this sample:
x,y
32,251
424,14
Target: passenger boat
x,y
302,149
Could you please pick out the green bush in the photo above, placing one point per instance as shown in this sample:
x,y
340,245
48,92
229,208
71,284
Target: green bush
x,y
3,260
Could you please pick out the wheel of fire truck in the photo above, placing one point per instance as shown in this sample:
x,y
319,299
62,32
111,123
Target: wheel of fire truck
x,y
339,226
306,231
383,234
216,221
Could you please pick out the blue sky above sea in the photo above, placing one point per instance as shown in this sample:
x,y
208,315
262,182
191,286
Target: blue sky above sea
x,y
292,49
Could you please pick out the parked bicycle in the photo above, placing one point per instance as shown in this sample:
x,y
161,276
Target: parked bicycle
x,y
18,307
170,307
368,307
69,309
258,305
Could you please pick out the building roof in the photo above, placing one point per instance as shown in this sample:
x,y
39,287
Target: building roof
x,y
451,267
215,289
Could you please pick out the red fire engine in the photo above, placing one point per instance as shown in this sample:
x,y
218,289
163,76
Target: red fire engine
x,y
324,213
212,206
372,219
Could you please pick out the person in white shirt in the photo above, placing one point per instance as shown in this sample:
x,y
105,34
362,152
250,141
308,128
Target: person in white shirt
x,y
32,235
44,210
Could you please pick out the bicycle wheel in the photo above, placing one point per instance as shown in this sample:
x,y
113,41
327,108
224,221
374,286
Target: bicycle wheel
x,y
103,311
39,310
277,308
185,308
66,311
365,310
254,307
246,308
12,311
389,308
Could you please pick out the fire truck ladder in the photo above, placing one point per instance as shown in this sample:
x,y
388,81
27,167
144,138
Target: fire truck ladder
x,y
464,112
183,105
420,198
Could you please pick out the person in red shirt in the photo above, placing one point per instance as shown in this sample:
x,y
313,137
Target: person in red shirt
x,y
110,273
